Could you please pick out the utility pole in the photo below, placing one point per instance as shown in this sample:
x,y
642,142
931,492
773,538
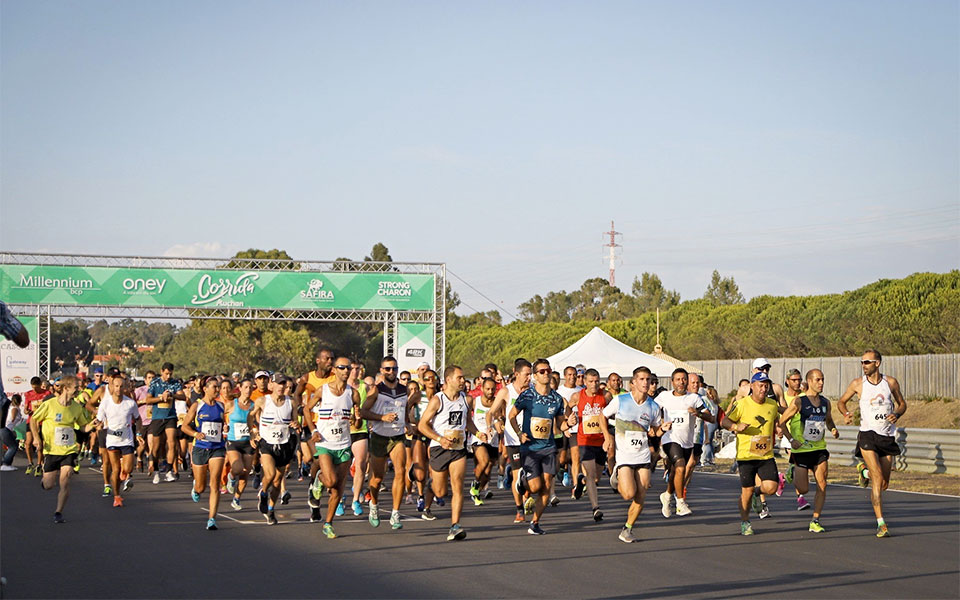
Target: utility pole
x,y
612,245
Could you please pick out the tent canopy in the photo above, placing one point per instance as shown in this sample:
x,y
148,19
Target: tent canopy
x,y
598,350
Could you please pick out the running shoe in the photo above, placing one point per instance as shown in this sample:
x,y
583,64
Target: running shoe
x,y
29,469
58,518
235,504
802,503
626,535
170,477
781,481
477,501
107,490
440,501
882,531
665,504
746,528
117,502
520,484
862,474
500,485
156,478
756,504
312,502
316,488
271,518
262,502
789,473
211,524
534,529
374,517
683,509
475,489
427,515
487,495
8,468
315,515
456,533
339,511
93,461
195,495
231,484
285,498
357,508
520,518
581,485
597,515
567,480
127,484
764,511
554,501
816,527
421,503
395,521
528,505
76,469
328,531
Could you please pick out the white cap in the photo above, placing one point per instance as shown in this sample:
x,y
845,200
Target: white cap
x,y
761,363
424,364
262,374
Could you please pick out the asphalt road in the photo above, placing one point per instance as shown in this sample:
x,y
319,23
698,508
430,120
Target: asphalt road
x,y
157,546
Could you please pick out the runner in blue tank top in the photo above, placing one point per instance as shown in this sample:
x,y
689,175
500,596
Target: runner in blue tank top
x,y
240,451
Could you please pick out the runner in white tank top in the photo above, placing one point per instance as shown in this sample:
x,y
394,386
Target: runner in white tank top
x,y
506,398
484,453
270,421
881,406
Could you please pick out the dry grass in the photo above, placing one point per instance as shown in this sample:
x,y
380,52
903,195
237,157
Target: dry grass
x,y
934,483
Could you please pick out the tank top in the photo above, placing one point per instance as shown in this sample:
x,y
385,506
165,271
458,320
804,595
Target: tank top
x,y
361,388
590,418
510,436
209,421
390,400
333,418
809,425
480,422
239,428
876,403
275,421
451,420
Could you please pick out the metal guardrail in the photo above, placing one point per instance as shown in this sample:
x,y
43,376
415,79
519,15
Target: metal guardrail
x,y
922,450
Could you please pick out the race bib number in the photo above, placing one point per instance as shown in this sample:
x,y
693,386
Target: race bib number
x,y
814,431
679,418
456,438
150,411
117,433
541,428
336,431
879,413
64,436
636,440
592,424
241,430
760,445
276,434
212,430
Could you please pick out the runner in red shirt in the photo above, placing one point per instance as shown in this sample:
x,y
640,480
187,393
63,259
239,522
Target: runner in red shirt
x,y
31,400
590,402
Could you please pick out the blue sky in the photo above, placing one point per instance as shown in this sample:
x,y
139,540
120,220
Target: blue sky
x,y
801,148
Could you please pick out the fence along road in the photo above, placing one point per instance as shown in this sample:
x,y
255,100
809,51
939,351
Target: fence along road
x,y
925,374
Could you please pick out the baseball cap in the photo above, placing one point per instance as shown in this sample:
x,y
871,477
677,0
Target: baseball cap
x,y
761,376
262,373
793,372
761,363
279,378
97,370
424,364
113,372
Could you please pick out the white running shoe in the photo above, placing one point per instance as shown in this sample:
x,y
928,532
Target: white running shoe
x,y
665,504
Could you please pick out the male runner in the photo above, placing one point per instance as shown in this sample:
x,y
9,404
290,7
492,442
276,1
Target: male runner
x,y
753,419
542,409
637,416
307,385
31,400
588,404
808,416
881,406
162,393
791,392
680,409
448,411
388,409
335,403
270,422
59,417
503,403
485,452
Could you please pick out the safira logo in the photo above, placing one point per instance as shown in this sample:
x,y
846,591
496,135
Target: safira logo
x,y
315,291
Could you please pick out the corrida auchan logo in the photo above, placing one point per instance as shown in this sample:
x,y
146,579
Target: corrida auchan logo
x,y
220,291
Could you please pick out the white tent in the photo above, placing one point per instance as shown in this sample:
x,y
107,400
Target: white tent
x,y
597,350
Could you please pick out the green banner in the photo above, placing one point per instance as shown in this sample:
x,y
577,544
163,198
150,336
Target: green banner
x,y
193,288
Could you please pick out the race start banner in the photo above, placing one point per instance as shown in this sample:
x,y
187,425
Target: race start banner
x,y
20,364
210,288
414,346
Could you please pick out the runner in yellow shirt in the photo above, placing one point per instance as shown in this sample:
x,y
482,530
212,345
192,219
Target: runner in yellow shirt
x,y
59,417
753,420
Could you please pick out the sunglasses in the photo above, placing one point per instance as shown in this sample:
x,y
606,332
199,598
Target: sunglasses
x,y
388,368
341,367
868,362
765,369
543,371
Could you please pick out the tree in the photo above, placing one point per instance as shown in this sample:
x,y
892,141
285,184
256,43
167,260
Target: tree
x,y
722,291
651,295
70,342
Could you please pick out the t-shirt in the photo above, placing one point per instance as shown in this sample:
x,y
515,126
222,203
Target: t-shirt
x,y
163,410
633,422
32,399
539,412
756,441
59,424
590,416
117,420
676,410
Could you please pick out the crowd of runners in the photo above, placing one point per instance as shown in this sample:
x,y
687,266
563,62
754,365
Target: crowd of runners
x,y
343,433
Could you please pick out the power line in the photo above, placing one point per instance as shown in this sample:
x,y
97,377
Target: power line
x,y
483,295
